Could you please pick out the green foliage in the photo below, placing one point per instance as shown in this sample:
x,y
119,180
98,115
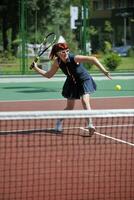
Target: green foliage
x,y
107,47
108,27
93,31
131,52
94,36
108,30
6,57
112,61
39,18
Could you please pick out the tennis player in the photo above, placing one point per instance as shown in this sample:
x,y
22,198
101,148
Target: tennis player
x,y
79,83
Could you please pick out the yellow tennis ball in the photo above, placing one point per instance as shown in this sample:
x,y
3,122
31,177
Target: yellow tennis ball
x,y
118,87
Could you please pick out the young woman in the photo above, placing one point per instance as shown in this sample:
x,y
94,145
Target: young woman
x,y
79,84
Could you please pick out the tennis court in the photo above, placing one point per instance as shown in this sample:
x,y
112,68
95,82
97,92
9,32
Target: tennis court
x,y
38,164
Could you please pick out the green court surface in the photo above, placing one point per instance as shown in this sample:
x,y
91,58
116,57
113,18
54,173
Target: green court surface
x,y
40,90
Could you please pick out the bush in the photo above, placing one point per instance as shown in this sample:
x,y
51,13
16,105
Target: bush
x,y
112,61
131,52
6,57
107,47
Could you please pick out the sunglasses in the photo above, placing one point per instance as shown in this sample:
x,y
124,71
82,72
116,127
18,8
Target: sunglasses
x,y
64,51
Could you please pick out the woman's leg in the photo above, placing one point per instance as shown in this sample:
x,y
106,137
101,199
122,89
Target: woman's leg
x,y
85,99
69,106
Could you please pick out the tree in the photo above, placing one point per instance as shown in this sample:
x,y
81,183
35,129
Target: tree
x,y
94,36
108,30
9,20
42,16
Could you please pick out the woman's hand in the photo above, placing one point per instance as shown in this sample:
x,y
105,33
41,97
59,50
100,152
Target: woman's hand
x,y
107,74
34,64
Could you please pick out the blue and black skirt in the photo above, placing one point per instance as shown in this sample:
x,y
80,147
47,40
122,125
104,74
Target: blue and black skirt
x,y
72,90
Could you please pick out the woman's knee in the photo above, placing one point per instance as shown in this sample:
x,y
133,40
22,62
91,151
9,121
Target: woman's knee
x,y
70,105
86,101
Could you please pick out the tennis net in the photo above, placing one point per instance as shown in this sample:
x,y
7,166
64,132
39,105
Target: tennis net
x,y
38,163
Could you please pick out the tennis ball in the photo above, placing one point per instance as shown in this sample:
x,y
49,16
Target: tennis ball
x,y
118,87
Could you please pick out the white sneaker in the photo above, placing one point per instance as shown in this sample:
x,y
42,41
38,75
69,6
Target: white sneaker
x,y
58,126
91,129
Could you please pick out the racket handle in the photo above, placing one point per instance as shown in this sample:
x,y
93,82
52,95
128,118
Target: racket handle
x,y
31,66
35,60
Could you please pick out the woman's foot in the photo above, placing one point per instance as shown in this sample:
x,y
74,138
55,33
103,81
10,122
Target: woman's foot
x,y
91,129
58,126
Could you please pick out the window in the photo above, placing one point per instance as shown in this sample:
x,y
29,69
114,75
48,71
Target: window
x,y
98,5
108,4
121,4
130,3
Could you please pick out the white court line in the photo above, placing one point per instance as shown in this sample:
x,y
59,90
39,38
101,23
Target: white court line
x,y
109,137
82,128
63,99
116,125
31,79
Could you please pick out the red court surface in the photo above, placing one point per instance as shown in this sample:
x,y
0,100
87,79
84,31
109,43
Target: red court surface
x,y
97,103
67,166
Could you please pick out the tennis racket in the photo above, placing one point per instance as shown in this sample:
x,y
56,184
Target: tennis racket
x,y
48,41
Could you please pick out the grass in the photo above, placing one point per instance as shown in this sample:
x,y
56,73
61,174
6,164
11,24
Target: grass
x,y
127,65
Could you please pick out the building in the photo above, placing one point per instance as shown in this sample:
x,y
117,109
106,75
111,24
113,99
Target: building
x,y
120,14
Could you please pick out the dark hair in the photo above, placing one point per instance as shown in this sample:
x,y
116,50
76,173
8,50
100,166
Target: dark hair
x,y
57,47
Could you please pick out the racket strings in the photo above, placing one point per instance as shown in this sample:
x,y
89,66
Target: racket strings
x,y
41,48
47,42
